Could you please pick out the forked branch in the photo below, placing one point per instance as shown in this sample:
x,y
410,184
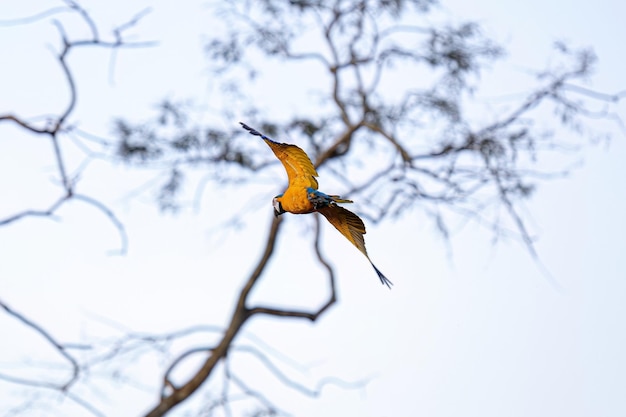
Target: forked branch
x,y
241,314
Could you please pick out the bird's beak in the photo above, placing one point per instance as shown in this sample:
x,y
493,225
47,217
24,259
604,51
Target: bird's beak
x,y
278,208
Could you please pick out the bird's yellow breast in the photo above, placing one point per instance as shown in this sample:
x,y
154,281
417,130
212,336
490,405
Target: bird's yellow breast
x,y
295,200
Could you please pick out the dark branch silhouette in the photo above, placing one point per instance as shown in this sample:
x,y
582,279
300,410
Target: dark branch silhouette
x,y
58,125
62,349
54,128
51,340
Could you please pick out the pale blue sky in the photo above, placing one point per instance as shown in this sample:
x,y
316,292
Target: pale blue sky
x,y
479,333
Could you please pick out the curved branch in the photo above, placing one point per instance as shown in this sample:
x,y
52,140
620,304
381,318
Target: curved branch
x,y
37,213
22,123
47,385
401,150
166,377
59,123
304,314
85,16
112,217
311,392
239,317
256,274
271,408
335,149
67,46
61,349
33,18
613,98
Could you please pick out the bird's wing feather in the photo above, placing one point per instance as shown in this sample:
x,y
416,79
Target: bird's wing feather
x,y
300,169
351,226
348,223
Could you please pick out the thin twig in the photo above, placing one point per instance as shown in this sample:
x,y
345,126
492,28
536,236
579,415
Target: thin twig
x,y
60,348
112,217
285,380
33,18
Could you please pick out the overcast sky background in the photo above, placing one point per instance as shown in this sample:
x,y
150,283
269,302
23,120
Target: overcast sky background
x,y
468,330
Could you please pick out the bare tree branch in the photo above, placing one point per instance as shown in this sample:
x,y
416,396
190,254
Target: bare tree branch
x,y
58,125
34,18
271,408
241,314
167,382
313,316
310,392
54,128
239,317
60,348
112,217
36,213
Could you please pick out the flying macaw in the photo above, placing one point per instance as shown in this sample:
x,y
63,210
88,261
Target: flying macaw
x,y
302,196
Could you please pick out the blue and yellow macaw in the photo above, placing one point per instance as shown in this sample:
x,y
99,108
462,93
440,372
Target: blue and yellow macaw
x,y
302,196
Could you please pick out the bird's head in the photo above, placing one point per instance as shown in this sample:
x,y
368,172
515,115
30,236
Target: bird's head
x,y
278,207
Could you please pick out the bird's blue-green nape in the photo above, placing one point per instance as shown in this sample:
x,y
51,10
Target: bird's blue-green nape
x,y
320,199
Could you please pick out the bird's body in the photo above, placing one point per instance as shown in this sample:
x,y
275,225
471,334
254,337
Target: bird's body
x,y
302,196
295,200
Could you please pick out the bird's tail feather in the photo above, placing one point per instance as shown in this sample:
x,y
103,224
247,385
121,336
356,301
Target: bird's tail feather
x,y
383,279
338,199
